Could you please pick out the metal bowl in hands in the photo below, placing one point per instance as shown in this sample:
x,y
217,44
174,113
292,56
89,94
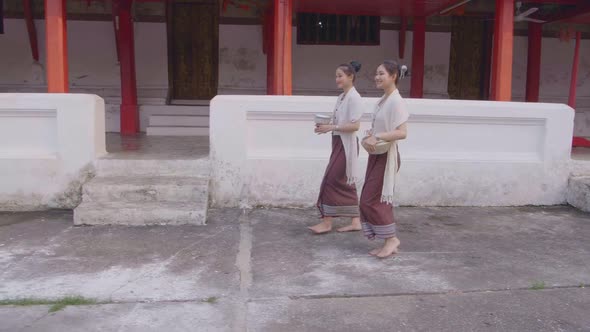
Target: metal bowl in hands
x,y
381,147
321,119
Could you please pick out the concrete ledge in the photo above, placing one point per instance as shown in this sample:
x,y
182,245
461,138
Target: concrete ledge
x,y
48,143
578,192
458,153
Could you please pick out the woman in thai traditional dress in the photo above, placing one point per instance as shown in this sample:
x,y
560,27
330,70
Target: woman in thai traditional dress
x,y
338,195
389,125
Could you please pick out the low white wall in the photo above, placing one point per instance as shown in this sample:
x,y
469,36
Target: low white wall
x,y
463,153
47,145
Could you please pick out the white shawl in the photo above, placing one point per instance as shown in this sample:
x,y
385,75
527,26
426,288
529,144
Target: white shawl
x,y
392,114
349,110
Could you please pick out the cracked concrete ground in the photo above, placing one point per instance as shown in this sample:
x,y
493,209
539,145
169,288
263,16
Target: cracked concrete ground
x,y
460,269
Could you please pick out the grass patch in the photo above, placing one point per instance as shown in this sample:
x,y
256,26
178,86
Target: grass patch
x,y
211,300
56,305
70,300
538,285
26,302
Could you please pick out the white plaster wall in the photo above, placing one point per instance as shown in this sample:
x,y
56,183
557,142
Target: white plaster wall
x,y
92,58
92,62
243,64
463,153
47,145
313,67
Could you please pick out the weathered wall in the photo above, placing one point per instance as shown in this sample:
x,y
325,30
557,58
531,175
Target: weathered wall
x,y
92,58
243,64
458,153
94,69
48,143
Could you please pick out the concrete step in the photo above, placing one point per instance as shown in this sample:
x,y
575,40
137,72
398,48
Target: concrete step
x,y
578,192
177,131
147,189
190,102
140,214
174,110
152,167
158,120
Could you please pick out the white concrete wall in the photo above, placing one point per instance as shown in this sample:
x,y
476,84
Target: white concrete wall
x,y
464,153
92,60
556,67
243,64
47,145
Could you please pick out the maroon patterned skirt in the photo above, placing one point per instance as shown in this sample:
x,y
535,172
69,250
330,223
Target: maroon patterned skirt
x,y
337,198
376,216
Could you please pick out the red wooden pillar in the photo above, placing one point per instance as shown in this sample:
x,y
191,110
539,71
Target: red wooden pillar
x,y
533,71
503,50
418,45
129,109
281,40
575,67
57,46
288,49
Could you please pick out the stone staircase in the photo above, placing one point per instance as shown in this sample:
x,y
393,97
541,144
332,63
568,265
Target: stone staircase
x,y
146,192
177,120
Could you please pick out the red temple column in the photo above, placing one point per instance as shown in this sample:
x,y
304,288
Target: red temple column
x,y
281,40
57,46
129,108
575,68
418,46
533,71
503,50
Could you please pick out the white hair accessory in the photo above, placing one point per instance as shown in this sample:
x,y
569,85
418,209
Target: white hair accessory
x,y
402,71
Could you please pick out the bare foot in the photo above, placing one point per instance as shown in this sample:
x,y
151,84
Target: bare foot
x,y
355,226
322,228
374,252
389,248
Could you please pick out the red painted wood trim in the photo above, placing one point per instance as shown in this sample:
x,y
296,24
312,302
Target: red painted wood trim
x,y
278,37
418,50
31,29
402,37
129,108
503,51
580,142
57,47
533,78
282,39
287,49
575,69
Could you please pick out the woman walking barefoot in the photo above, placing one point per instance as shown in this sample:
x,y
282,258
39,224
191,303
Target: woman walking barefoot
x,y
389,125
338,196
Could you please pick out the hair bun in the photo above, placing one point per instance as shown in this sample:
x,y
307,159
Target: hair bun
x,y
403,71
356,66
